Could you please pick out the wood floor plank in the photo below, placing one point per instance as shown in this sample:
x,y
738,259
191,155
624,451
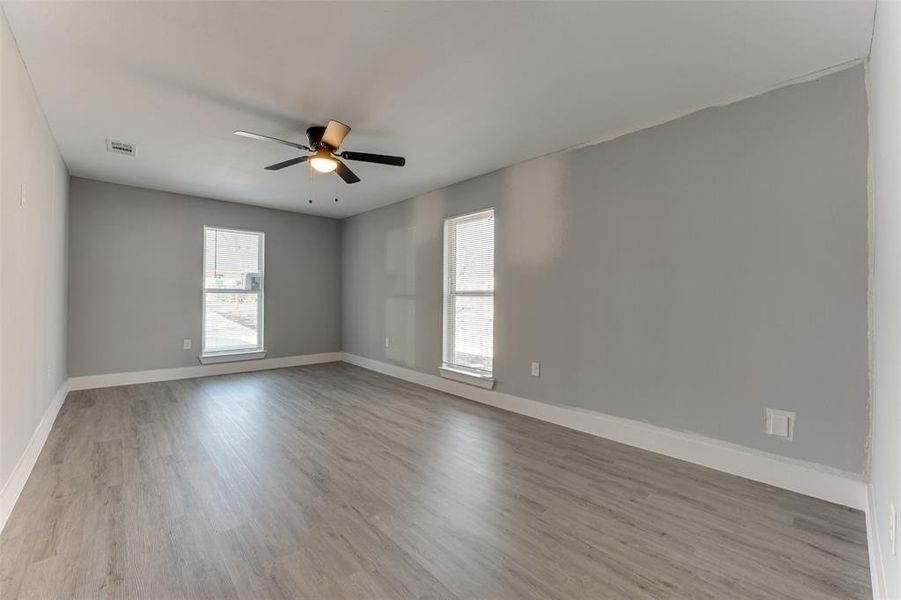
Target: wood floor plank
x,y
331,481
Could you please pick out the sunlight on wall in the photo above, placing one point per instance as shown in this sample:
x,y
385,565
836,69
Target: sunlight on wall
x,y
428,217
534,197
400,304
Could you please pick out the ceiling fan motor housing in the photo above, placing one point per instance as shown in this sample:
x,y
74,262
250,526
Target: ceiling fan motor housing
x,y
314,134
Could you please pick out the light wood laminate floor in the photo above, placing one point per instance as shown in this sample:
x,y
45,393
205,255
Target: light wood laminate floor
x,y
333,482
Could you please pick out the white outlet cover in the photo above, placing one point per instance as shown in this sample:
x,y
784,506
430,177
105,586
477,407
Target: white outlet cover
x,y
536,369
187,344
23,195
780,423
387,342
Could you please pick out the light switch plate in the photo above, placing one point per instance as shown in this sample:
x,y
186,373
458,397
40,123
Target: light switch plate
x,y
387,342
780,423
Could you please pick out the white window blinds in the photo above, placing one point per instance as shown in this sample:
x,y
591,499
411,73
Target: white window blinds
x,y
469,292
233,291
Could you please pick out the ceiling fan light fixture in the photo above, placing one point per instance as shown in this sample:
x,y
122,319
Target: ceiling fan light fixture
x,y
323,162
324,144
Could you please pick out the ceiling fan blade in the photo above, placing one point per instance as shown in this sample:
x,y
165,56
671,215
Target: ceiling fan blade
x,y
287,163
382,159
346,174
335,133
266,138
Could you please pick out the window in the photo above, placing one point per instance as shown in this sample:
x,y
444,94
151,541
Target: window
x,y
469,294
232,291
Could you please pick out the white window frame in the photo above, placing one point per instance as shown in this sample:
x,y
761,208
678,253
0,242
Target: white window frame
x,y
447,368
241,353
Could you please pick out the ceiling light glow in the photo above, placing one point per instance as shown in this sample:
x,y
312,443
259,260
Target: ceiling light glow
x,y
323,163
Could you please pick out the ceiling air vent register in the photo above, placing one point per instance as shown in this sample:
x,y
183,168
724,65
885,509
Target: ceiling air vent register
x,y
117,147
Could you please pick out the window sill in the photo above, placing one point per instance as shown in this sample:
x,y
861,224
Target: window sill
x,y
221,357
481,380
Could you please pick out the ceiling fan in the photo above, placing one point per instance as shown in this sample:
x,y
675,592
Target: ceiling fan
x,y
324,143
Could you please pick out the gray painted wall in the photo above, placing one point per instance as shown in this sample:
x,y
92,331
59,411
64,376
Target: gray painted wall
x,y
688,275
32,260
135,271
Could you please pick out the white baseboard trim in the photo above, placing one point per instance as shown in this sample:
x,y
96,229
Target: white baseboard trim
x,y
797,476
14,485
90,382
877,573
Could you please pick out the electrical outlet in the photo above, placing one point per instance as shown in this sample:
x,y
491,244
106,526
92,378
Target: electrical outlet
x,y
387,342
780,423
23,195
536,369
892,531
187,344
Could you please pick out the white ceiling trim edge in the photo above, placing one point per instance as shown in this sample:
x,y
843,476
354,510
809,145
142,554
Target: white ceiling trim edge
x,y
813,76
807,77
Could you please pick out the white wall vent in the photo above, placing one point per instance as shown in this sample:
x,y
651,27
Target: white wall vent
x,y
117,147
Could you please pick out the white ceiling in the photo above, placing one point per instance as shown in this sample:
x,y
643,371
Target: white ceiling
x,y
460,89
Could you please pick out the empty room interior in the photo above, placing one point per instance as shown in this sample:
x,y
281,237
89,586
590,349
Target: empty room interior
x,y
453,300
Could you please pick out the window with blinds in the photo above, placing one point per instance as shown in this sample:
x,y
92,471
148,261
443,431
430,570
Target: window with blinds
x,y
232,291
469,292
